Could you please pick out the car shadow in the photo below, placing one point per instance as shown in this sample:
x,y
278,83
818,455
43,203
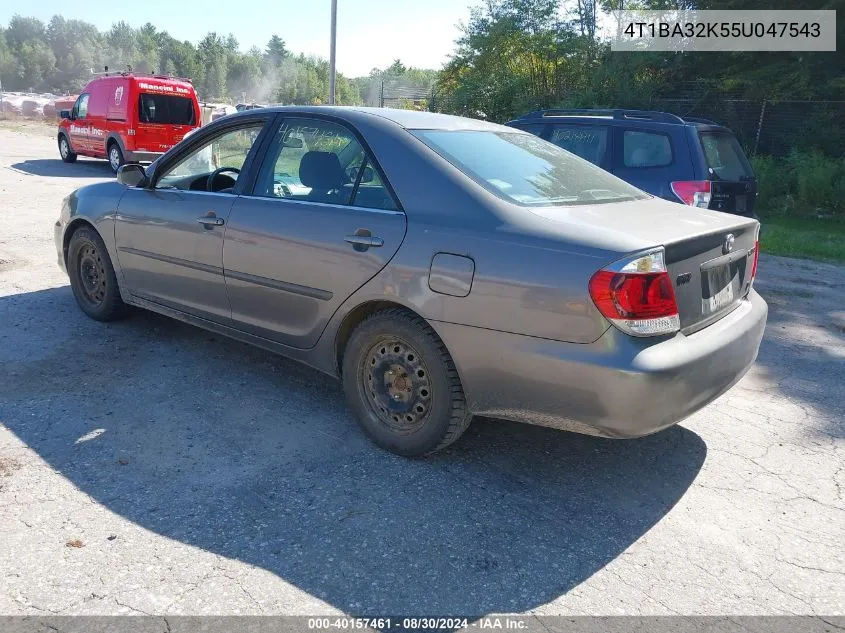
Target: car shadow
x,y
55,167
253,457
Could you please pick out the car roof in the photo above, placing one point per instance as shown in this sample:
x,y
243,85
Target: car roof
x,y
408,119
617,117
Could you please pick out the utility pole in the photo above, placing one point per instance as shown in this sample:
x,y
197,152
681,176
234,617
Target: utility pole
x,y
333,55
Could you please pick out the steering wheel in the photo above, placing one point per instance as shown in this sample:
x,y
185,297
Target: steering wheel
x,y
209,184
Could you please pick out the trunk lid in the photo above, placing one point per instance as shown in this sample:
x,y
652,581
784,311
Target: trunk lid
x,y
709,255
163,121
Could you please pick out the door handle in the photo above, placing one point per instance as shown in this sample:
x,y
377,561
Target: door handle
x,y
208,221
365,241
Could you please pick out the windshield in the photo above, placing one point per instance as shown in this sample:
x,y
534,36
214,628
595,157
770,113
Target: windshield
x,y
166,109
527,170
725,157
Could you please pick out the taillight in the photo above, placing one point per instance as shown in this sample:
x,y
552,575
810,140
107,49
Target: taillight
x,y
695,193
636,295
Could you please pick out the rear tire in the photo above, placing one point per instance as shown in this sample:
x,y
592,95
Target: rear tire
x,y
65,151
402,385
92,277
115,156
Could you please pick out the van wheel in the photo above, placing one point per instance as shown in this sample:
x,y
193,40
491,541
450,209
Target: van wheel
x,y
115,157
402,385
64,150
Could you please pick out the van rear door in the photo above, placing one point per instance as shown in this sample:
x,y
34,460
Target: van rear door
x,y
733,187
163,120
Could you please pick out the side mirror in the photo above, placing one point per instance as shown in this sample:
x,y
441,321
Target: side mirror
x,y
64,114
131,175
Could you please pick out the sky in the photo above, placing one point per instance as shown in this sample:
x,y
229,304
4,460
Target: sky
x,y
371,33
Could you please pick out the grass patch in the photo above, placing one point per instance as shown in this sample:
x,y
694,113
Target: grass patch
x,y
807,238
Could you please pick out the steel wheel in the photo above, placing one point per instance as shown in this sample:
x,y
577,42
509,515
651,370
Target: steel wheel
x,y
395,381
92,275
64,149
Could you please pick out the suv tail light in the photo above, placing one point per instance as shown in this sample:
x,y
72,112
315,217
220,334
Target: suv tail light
x,y
695,193
636,295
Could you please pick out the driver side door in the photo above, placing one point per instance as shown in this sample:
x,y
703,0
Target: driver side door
x,y
169,234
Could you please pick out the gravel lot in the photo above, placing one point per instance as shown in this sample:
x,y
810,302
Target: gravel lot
x,y
151,467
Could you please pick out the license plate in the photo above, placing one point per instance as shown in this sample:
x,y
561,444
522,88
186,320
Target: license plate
x,y
721,288
740,204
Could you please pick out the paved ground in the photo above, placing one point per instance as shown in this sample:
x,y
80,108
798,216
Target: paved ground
x,y
150,467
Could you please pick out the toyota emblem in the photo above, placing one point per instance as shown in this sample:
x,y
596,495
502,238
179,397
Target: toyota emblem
x,y
728,246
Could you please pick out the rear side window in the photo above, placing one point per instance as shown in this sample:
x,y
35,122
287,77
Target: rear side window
x,y
590,143
165,109
725,157
646,149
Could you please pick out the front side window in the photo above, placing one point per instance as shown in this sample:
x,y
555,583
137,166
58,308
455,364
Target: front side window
x,y
165,109
646,149
588,142
80,108
225,154
527,170
320,161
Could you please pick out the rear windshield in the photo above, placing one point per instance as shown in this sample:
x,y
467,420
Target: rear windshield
x,y
166,109
725,157
527,170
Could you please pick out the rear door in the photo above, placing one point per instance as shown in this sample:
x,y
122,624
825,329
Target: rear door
x,y
651,158
733,186
321,221
163,120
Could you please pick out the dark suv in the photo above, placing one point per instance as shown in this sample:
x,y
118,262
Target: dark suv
x,y
693,161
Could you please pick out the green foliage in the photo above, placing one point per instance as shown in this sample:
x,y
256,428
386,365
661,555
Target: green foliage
x,y
60,57
810,238
802,184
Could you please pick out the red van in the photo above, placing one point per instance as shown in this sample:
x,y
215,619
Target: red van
x,y
128,118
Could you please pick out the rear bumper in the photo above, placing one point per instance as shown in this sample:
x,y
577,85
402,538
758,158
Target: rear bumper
x,y
618,386
141,157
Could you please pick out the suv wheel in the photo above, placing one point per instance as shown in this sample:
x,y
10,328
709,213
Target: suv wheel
x,y
64,150
115,157
402,385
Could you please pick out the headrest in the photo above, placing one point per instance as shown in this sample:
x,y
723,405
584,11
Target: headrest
x,y
321,171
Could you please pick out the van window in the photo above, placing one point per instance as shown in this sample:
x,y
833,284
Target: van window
x,y
80,108
588,142
165,109
725,157
646,149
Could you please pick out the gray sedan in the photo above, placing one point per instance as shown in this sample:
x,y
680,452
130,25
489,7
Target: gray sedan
x,y
442,267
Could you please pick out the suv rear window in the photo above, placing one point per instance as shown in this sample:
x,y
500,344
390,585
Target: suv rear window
x,y
165,109
527,170
725,157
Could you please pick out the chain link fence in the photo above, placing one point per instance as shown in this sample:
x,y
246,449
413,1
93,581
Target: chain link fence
x,y
770,127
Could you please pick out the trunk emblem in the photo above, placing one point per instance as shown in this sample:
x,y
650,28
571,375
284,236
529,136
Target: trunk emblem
x,y
683,278
728,246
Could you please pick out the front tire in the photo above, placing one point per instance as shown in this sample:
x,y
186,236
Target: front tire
x,y
65,151
115,157
92,277
402,385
